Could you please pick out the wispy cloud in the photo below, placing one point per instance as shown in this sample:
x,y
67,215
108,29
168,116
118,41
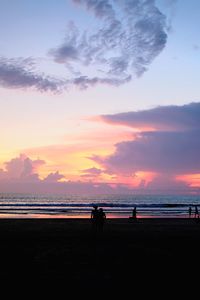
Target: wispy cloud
x,y
130,36
126,38
19,73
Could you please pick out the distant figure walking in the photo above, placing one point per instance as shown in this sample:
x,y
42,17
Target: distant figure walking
x,y
196,212
190,211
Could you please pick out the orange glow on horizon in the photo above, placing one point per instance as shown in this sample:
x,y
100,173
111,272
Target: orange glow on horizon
x,y
73,156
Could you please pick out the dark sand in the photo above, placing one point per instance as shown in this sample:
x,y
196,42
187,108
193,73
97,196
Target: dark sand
x,y
66,249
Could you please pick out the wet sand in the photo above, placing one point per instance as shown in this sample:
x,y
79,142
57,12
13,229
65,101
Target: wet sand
x,y
68,250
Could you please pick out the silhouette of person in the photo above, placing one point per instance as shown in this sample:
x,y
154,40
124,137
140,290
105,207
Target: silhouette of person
x,y
196,212
134,213
101,219
190,211
94,217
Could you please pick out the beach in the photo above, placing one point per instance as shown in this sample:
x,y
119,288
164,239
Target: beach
x,y
68,249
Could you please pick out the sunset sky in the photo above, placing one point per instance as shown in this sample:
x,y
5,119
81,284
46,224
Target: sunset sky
x,y
99,94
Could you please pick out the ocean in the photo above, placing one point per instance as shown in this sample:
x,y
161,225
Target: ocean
x,y
80,206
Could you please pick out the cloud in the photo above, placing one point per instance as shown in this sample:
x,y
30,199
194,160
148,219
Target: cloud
x,y
91,173
162,152
101,8
83,82
22,168
3,175
172,149
19,73
54,177
21,176
127,37
172,117
166,182
70,187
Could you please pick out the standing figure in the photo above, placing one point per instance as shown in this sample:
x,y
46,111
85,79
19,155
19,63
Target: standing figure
x,y
134,213
190,211
94,218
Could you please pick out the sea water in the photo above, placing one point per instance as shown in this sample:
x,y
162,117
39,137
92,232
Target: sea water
x,y
80,206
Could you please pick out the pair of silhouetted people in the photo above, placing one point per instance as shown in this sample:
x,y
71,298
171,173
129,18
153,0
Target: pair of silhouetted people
x,y
98,217
196,212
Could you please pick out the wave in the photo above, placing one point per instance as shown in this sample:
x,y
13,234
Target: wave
x,y
67,205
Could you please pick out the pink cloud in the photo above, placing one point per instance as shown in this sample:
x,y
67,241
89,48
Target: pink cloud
x,y
26,180
23,167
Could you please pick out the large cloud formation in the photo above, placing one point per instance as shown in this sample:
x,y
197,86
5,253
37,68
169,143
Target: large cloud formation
x,y
126,37
21,168
21,175
25,170
172,148
129,36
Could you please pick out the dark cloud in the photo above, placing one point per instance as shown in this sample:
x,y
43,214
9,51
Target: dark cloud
x,y
174,150
172,117
19,73
162,152
83,82
130,36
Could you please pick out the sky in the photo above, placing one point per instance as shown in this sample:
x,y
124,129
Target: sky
x,y
99,96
